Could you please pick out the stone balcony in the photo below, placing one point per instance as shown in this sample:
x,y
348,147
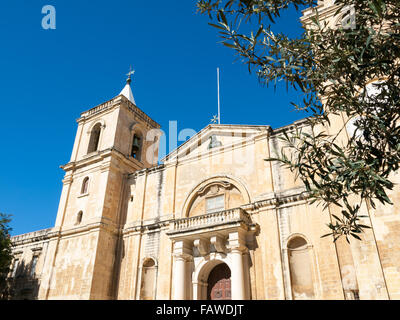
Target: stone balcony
x,y
217,222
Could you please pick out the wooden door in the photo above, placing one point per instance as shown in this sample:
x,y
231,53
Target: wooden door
x,y
219,283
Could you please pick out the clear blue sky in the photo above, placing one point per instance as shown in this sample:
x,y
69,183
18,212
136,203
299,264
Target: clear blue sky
x,y
48,77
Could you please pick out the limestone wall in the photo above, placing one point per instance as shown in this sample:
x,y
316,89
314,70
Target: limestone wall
x,y
25,280
127,217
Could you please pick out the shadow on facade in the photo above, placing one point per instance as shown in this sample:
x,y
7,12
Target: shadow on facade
x,y
22,286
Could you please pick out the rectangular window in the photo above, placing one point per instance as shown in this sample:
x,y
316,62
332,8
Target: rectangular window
x,y
33,265
215,204
15,267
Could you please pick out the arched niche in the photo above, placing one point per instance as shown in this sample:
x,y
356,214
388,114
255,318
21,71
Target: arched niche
x,y
300,267
148,279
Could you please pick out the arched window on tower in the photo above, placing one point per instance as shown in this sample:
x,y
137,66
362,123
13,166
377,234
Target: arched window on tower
x,y
148,281
85,186
300,269
94,138
136,147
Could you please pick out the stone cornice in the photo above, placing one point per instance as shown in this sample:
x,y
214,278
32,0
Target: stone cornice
x,y
150,170
88,228
166,222
139,113
276,200
52,233
321,9
118,101
263,136
98,109
74,230
290,127
100,156
146,226
31,237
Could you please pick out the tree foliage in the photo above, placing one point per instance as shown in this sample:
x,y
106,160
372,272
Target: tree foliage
x,y
347,71
5,249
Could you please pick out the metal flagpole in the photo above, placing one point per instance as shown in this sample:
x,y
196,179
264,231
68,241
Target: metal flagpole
x,y
219,112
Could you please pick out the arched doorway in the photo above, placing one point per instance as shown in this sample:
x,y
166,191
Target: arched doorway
x,y
219,283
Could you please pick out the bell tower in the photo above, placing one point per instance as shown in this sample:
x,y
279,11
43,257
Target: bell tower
x,y
113,140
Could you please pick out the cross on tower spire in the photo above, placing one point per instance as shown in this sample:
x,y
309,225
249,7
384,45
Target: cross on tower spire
x,y
127,91
130,74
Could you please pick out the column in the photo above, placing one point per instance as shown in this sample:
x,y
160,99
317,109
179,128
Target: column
x,y
179,278
237,248
182,254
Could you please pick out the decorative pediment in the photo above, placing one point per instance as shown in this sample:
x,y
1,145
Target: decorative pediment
x,y
215,138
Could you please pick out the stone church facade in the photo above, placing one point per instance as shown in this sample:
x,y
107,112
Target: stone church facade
x,y
213,221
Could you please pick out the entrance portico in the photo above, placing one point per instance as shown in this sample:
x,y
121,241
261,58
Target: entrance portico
x,y
201,244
